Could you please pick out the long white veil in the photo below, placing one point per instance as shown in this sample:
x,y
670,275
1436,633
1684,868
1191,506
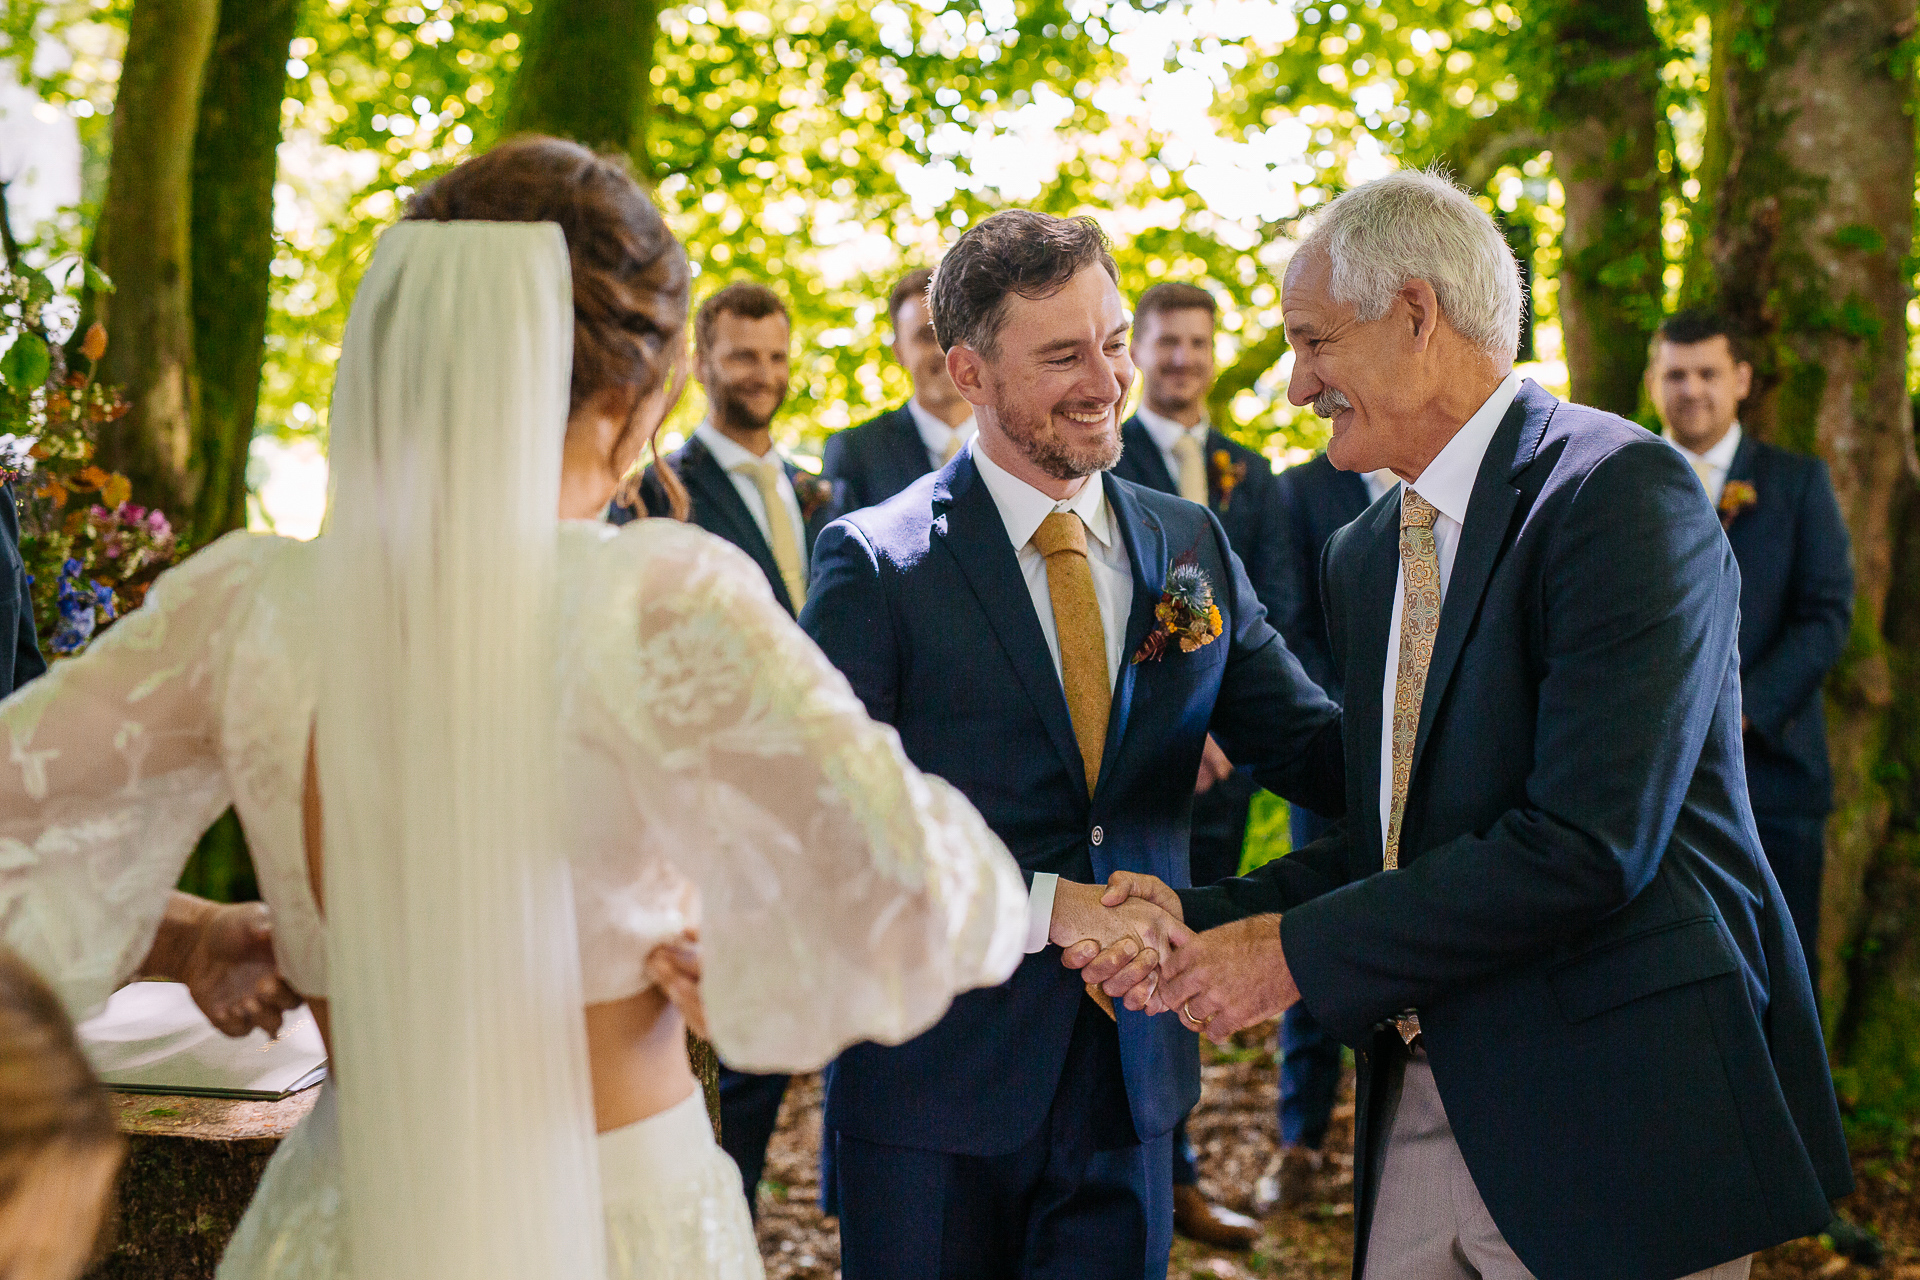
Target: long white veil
x,y
465,1109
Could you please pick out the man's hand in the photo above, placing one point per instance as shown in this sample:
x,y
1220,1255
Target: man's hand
x,y
1214,767
1119,939
230,970
675,966
1224,979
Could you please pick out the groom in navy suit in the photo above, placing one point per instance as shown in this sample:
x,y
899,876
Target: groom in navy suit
x,y
1057,643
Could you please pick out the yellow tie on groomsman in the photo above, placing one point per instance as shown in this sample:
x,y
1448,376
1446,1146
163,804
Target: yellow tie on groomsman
x,y
767,475
1193,468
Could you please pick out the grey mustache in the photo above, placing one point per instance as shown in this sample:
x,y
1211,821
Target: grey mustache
x,y
1330,402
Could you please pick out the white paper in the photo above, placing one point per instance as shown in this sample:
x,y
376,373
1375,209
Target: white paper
x,y
152,1038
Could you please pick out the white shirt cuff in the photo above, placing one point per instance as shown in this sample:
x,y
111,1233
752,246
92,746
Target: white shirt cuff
x,y
1040,910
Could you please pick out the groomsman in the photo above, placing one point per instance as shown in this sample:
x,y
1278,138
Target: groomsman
x,y
1796,594
1058,644
1169,445
882,456
746,490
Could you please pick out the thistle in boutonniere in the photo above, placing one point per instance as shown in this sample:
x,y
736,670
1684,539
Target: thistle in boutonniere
x,y
813,492
1227,475
1735,498
1186,614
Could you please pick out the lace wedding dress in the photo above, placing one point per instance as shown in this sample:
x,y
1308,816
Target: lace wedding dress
x,y
716,770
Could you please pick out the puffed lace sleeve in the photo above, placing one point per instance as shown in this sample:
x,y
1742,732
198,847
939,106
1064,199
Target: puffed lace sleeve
x,y
844,895
112,773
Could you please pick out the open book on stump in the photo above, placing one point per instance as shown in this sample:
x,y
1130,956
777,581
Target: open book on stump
x,y
152,1038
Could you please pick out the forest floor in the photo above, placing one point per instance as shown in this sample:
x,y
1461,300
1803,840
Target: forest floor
x,y
1235,1131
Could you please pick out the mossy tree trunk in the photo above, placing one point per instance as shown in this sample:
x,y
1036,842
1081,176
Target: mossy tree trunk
x,y
235,158
584,74
1600,114
143,244
1808,190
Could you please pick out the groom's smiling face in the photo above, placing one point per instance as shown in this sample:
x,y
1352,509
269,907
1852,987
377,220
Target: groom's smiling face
x,y
1058,379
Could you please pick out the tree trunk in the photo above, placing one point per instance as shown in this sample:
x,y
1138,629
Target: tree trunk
x,y
235,157
143,245
584,74
1602,118
1809,188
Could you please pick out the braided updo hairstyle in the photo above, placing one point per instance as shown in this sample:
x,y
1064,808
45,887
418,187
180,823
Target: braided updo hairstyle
x,y
630,277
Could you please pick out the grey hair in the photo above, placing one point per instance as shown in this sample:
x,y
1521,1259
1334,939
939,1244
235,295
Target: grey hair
x,y
1412,225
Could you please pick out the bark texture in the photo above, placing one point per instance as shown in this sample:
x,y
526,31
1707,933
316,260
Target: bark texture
x,y
235,158
143,244
1808,188
584,74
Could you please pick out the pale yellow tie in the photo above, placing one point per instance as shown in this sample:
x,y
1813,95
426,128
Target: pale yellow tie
x,y
767,475
1193,468
953,446
1419,623
1703,469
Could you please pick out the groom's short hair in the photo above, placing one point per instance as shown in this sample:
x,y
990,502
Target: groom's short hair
x,y
748,299
1015,251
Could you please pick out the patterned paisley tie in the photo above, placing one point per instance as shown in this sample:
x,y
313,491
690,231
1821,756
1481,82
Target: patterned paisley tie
x,y
1193,469
1419,623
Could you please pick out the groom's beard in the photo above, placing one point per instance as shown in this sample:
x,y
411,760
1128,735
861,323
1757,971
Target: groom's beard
x,y
1330,402
731,409
1036,437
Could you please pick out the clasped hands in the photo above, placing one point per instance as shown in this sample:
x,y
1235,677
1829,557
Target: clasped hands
x,y
1131,941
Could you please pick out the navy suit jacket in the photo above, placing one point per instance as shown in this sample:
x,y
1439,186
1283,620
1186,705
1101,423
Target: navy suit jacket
x,y
719,509
877,459
1250,511
1318,499
921,602
21,659
1613,996
1796,605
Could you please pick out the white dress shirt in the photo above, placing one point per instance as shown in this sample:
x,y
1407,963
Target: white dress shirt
x,y
1713,465
1448,484
732,455
937,435
1022,507
1166,433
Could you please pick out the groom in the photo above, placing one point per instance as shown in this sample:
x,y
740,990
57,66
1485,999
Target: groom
x,y
1057,643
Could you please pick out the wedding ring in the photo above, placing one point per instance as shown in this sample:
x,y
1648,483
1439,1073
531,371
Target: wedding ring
x,y
1187,1013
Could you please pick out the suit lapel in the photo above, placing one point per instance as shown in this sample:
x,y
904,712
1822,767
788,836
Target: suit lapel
x,y
713,490
1744,468
909,450
1137,442
1372,615
966,520
1146,545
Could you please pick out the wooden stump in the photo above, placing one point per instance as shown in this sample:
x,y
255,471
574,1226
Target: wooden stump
x,y
706,1067
192,1166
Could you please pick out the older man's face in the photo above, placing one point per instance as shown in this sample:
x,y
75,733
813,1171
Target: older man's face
x,y
1354,373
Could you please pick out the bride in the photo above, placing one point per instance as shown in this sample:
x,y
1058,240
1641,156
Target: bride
x,y
489,754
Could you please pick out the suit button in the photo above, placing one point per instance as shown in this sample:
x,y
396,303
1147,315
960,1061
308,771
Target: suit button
x,y
1098,835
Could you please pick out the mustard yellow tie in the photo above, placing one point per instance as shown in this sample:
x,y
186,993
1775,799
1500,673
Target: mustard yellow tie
x,y
766,475
1419,623
1193,468
953,446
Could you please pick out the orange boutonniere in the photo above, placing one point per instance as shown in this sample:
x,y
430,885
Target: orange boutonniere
x,y
1227,475
1186,614
1735,498
813,492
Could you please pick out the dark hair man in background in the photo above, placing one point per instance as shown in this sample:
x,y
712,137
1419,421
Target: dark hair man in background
x,y
747,491
1796,594
880,457
1169,446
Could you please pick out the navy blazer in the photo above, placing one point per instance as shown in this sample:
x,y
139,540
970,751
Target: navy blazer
x,y
22,660
1319,499
719,509
922,603
877,459
1611,991
1796,605
1249,510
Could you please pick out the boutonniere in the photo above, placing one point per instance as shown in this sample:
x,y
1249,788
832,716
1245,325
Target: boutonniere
x,y
1186,614
812,492
1735,498
1227,475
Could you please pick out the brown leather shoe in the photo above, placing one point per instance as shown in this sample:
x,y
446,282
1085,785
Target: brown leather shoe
x,y
1291,1181
1196,1218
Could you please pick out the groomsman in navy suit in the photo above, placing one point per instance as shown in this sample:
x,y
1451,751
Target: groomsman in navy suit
x,y
880,457
1796,594
746,490
1058,644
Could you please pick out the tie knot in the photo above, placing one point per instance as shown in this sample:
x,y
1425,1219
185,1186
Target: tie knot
x,y
1061,531
1415,511
764,469
1185,445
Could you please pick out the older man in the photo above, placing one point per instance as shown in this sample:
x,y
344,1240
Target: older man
x,y
1587,1042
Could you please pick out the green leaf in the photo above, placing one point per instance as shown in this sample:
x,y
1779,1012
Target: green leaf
x,y
96,278
27,363
39,288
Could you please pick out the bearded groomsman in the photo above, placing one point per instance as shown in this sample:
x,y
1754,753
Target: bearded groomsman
x,y
1796,594
882,456
1058,644
1587,1044
746,490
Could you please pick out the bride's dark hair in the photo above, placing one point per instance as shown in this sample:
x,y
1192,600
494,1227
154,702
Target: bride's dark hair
x,y
630,278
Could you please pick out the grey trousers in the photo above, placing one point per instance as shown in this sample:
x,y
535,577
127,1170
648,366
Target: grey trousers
x,y
1429,1222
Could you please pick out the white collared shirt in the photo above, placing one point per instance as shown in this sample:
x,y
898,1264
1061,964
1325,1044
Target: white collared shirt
x,y
1022,507
1447,483
731,455
936,434
1166,433
1715,462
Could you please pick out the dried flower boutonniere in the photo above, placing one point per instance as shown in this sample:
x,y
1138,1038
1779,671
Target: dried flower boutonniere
x,y
813,492
1186,614
1227,475
1735,498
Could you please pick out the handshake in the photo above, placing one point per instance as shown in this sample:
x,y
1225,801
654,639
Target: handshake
x,y
1130,940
